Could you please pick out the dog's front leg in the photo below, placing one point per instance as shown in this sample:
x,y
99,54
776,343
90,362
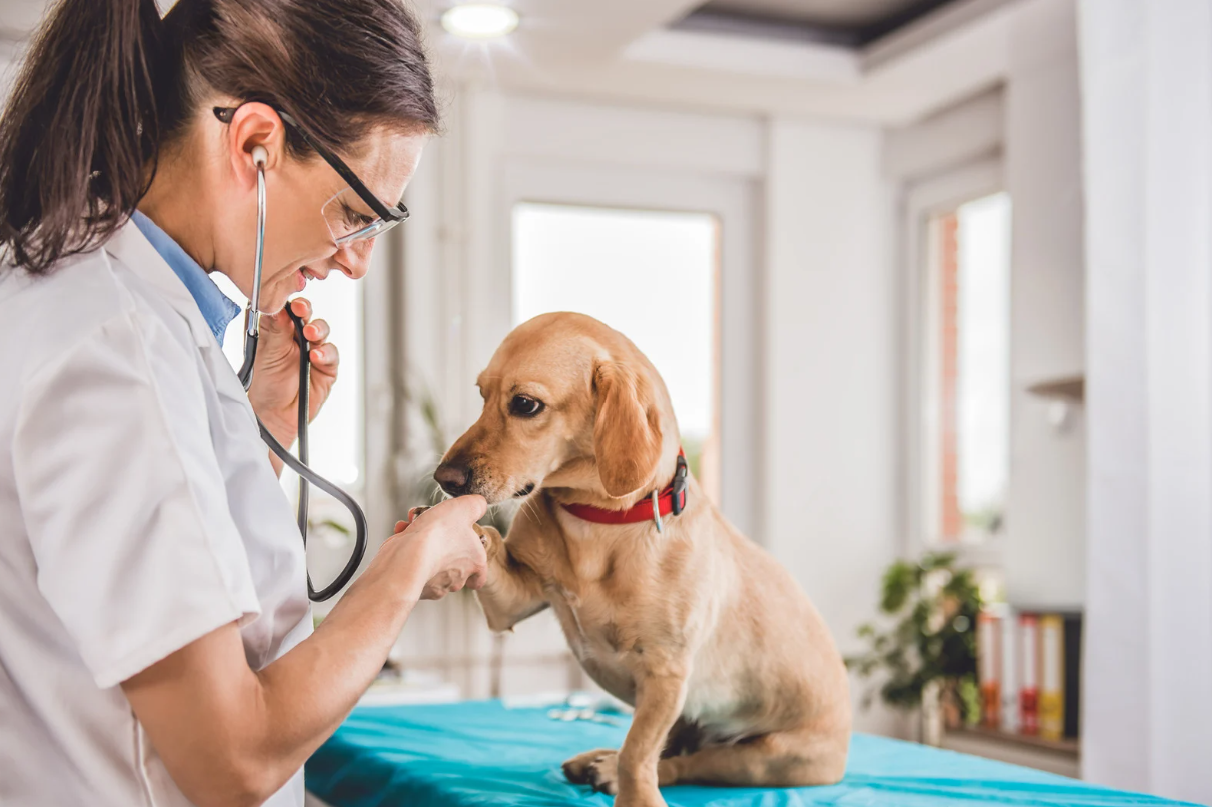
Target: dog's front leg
x,y
512,591
660,696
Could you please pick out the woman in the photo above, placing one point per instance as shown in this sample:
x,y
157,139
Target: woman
x,y
156,644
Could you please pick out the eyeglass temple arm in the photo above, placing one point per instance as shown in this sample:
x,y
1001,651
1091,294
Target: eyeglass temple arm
x,y
225,114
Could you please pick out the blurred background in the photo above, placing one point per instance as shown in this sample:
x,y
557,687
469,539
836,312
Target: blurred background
x,y
929,281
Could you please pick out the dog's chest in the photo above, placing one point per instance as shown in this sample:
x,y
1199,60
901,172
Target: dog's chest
x,y
597,642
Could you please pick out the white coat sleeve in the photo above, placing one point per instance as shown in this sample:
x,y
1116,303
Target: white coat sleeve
x,y
124,501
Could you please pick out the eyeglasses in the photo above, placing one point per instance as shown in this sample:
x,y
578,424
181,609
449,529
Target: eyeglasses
x,y
345,223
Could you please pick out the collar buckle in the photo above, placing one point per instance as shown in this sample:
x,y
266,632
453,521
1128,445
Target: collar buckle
x,y
681,481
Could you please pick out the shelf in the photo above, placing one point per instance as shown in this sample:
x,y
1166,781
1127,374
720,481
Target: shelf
x,y
1064,747
1071,388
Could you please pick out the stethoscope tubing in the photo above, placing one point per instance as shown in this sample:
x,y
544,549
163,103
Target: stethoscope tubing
x,y
298,464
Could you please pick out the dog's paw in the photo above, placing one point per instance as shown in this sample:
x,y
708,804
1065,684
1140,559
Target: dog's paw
x,y
604,774
492,541
597,768
484,536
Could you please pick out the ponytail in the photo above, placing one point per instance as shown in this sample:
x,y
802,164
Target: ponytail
x,y
79,136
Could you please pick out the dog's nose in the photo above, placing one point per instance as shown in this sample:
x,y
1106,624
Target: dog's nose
x,y
453,478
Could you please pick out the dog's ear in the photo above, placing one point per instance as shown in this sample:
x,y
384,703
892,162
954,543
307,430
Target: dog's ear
x,y
626,429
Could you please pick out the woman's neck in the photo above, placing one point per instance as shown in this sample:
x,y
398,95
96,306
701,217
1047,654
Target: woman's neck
x,y
178,203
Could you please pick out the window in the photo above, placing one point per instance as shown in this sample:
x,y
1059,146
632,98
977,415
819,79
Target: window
x,y
966,364
650,274
336,435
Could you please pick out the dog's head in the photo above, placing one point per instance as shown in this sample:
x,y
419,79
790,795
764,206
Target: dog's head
x,y
568,403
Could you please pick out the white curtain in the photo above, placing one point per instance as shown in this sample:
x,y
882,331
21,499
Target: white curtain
x,y
1147,117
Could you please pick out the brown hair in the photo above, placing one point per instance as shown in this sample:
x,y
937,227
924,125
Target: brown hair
x,y
107,84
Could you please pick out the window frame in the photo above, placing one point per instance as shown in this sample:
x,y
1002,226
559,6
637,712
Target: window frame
x,y
923,200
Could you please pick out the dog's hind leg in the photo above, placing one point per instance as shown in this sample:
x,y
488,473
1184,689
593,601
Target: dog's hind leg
x,y
780,759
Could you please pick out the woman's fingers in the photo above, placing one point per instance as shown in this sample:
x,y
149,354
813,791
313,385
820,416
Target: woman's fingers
x,y
316,331
325,358
302,308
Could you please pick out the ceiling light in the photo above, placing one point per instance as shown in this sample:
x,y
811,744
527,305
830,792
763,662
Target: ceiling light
x,y
480,20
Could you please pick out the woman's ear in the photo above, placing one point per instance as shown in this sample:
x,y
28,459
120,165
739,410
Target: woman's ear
x,y
255,125
626,429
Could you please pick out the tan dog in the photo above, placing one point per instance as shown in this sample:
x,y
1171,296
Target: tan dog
x,y
734,676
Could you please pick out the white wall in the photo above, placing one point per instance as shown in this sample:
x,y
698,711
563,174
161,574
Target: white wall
x,y
968,132
10,54
830,399
1045,519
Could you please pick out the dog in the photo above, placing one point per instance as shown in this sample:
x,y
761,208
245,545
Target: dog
x,y
734,676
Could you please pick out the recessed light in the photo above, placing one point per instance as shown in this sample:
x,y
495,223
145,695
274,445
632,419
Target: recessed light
x,y
480,20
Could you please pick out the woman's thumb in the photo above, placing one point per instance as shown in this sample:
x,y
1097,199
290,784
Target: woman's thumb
x,y
470,508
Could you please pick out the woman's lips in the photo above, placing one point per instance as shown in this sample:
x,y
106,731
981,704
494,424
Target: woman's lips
x,y
304,274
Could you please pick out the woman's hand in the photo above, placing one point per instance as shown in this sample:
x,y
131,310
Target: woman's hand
x,y
274,393
440,547
463,557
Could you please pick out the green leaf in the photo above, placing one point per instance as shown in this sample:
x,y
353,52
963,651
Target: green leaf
x,y
335,526
899,581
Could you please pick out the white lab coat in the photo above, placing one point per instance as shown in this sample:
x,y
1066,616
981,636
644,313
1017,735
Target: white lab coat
x,y
138,512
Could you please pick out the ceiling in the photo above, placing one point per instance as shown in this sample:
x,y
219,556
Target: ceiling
x,y
851,23
930,53
842,13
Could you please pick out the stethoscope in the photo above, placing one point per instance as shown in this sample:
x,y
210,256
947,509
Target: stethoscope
x,y
252,331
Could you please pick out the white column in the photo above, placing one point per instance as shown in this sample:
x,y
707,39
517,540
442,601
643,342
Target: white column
x,y
830,377
1147,102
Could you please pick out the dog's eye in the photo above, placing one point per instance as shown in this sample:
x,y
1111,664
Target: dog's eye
x,y
524,406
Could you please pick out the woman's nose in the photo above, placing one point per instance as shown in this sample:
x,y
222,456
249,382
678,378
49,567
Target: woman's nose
x,y
354,258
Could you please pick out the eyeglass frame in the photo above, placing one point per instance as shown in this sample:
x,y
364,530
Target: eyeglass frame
x,y
396,214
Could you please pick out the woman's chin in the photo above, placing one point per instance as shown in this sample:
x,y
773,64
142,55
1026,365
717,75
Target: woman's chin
x,y
274,297
273,301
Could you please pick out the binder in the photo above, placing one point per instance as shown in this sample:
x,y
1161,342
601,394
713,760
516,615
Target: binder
x,y
1028,675
1073,676
1052,677
1010,677
988,667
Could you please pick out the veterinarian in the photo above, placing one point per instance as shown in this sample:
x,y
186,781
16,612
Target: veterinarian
x,y
156,644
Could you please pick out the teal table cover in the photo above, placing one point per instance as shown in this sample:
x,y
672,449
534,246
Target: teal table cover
x,y
481,753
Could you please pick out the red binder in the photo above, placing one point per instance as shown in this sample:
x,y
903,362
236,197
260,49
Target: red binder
x,y
1028,697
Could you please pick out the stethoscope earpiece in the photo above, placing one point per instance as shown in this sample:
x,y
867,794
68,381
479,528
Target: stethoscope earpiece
x,y
260,156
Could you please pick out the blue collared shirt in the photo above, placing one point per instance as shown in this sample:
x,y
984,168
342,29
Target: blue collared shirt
x,y
216,308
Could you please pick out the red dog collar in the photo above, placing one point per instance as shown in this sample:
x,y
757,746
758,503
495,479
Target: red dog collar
x,y
670,500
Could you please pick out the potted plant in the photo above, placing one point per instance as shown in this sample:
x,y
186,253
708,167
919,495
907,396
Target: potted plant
x,y
927,655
